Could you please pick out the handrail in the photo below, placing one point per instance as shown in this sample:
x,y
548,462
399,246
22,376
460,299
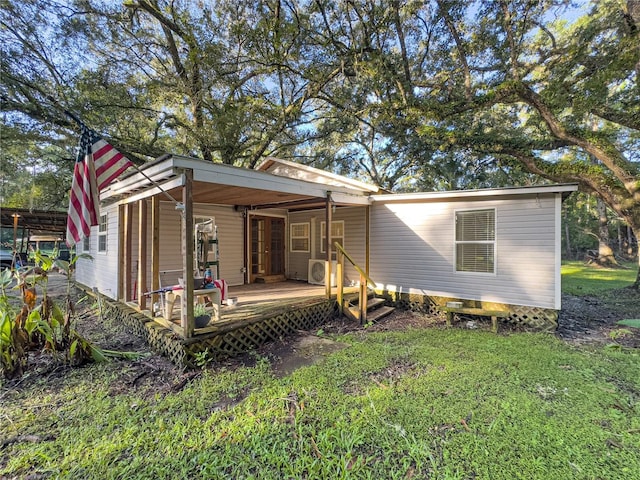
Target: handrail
x,y
355,265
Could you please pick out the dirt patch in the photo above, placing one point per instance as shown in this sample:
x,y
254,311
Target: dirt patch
x,y
301,351
590,320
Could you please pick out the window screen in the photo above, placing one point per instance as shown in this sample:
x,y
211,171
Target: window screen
x,y
475,241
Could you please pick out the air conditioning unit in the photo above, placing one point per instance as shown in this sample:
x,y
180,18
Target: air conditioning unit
x,y
317,273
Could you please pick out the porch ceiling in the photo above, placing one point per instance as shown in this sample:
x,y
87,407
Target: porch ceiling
x,y
247,197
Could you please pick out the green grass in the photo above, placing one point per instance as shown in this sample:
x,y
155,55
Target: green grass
x,y
581,279
428,403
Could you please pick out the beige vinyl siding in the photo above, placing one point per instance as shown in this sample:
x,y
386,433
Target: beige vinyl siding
x,y
412,250
354,240
230,240
102,272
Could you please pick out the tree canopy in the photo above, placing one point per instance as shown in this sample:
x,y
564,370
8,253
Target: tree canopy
x,y
427,94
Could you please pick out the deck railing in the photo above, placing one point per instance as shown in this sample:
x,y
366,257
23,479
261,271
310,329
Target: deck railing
x,y
365,279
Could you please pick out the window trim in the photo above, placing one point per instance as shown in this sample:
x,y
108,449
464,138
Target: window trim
x,y
493,242
306,237
103,227
323,234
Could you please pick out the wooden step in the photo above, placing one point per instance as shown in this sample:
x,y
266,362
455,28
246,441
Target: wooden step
x,y
371,303
378,314
375,311
374,303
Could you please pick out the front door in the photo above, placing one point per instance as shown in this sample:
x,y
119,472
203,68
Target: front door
x,y
267,247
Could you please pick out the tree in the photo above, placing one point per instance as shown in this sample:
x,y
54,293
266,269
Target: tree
x,y
409,94
498,79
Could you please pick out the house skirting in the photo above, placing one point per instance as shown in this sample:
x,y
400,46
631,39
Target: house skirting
x,y
536,318
230,340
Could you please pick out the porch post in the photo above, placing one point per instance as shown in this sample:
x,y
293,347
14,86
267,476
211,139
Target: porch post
x,y
142,254
186,298
155,249
327,279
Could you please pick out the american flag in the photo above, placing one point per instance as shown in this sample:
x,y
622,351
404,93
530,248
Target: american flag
x,y
98,163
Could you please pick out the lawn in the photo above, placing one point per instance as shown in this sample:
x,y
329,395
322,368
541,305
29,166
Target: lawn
x,y
416,403
581,279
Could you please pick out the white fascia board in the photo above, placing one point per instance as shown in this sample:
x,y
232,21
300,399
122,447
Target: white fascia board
x,y
350,199
488,192
243,177
558,253
156,171
178,181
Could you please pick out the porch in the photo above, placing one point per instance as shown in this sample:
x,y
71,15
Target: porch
x,y
252,302
263,313
238,225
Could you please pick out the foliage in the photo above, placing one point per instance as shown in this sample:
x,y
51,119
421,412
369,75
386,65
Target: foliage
x,y
28,324
442,404
435,94
199,309
581,279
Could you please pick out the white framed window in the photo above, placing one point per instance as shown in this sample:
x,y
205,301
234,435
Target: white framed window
x,y
337,234
102,234
86,244
475,241
299,237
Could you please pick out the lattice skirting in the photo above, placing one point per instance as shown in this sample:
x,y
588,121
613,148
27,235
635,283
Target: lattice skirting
x,y
240,338
246,337
543,319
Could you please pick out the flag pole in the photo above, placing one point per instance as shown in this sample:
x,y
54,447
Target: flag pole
x,y
178,205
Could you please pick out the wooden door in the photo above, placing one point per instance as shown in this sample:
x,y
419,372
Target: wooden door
x,y
267,247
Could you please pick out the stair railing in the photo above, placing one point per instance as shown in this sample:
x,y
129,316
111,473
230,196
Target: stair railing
x,y
365,280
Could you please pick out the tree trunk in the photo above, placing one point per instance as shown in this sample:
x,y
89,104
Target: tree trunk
x,y
606,257
567,238
620,239
632,232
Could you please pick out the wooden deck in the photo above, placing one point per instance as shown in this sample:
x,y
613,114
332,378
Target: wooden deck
x,y
263,312
254,302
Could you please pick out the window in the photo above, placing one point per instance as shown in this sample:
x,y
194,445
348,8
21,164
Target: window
x,y
86,244
337,234
475,241
102,234
299,237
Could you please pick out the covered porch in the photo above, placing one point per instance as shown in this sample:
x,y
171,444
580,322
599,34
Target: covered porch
x,y
157,210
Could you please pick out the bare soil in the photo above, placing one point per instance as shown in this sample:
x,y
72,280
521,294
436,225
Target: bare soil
x,y
583,321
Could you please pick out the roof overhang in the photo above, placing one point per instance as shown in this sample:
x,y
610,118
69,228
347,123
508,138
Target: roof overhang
x,y
285,168
227,185
565,189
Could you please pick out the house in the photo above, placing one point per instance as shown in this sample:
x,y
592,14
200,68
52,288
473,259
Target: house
x,y
487,248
